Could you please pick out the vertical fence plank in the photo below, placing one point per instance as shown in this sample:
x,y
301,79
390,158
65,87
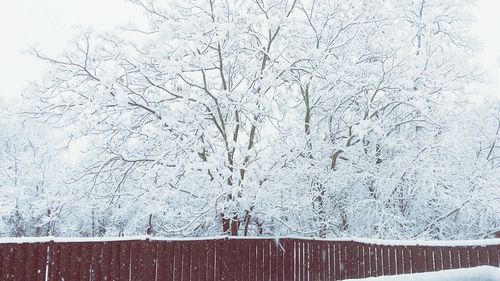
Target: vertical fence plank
x,y
377,256
438,259
165,260
366,261
385,260
147,260
364,266
252,260
473,256
194,261
76,253
281,259
498,256
493,255
483,255
295,257
197,260
205,261
313,266
352,260
229,264
339,261
114,266
153,258
324,261
74,261
178,259
328,261
30,264
266,254
84,265
407,259
8,260
41,261
245,261
105,261
418,259
301,263
312,260
270,261
224,258
274,254
446,257
373,260
135,248
124,260
429,259
212,258
260,260
303,260
219,251
380,261
186,261
298,260
303,272
455,257
392,260
344,260
20,261
295,248
3,258
65,259
97,253
464,258
267,259
307,260
399,260
55,261
3,250
319,261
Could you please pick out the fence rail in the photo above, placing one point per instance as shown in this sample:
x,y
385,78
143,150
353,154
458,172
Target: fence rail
x,y
285,259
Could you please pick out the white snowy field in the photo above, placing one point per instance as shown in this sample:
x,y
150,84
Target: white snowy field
x,y
480,273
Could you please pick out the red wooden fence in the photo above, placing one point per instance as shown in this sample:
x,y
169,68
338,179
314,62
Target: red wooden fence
x,y
286,259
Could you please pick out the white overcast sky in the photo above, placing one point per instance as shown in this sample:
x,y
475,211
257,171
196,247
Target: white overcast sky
x,y
49,24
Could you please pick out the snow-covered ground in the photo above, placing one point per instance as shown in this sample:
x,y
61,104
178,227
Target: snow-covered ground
x,y
480,273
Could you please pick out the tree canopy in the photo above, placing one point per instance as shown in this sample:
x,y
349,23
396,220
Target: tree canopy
x,y
273,117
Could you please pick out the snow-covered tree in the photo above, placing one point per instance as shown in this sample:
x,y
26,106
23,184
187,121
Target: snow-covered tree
x,y
34,199
268,117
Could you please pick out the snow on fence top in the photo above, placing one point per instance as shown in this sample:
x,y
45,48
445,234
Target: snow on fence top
x,y
483,242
